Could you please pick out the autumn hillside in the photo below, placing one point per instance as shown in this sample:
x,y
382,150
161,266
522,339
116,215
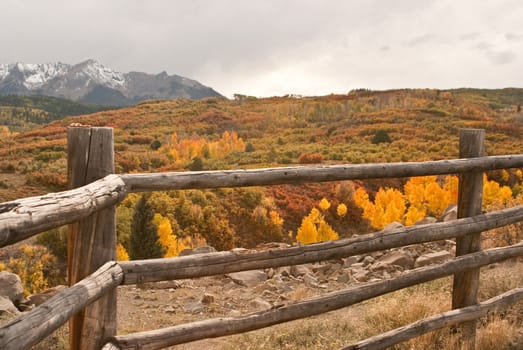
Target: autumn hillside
x,y
246,132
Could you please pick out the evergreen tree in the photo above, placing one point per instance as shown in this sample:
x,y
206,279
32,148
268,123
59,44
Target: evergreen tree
x,y
381,136
144,236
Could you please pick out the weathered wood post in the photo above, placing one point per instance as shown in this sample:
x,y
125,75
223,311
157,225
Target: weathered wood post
x,y
470,199
91,241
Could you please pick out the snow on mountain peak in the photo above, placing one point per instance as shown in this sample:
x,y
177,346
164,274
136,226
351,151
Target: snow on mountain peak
x,y
36,75
101,74
4,71
92,82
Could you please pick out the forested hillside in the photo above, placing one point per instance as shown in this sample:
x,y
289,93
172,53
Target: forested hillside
x,y
246,132
23,113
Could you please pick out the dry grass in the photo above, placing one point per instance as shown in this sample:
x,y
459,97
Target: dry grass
x,y
340,328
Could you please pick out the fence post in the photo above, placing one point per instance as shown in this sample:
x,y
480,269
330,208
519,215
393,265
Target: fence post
x,y
91,241
470,195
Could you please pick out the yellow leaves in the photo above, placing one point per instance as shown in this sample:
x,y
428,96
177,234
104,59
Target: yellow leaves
x,y
422,196
324,204
495,195
427,195
388,206
183,151
413,215
341,210
307,232
121,253
276,219
172,246
30,267
314,229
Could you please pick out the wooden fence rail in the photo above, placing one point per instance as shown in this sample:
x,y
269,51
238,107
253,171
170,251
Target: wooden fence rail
x,y
161,338
154,270
445,319
34,326
23,218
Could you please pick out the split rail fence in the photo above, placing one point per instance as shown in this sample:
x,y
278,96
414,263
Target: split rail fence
x,y
89,304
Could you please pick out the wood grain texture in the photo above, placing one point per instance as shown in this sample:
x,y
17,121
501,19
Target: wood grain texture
x,y
470,200
152,270
29,328
91,240
302,174
218,327
26,217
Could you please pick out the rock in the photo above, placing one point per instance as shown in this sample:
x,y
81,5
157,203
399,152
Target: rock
x,y
358,265
208,298
11,287
427,220
393,226
235,313
398,258
368,260
299,270
260,304
195,307
432,258
167,284
347,262
451,213
199,250
360,275
169,310
310,280
322,268
248,278
40,298
8,310
344,277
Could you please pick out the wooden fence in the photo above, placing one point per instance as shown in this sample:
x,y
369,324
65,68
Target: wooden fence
x,y
89,208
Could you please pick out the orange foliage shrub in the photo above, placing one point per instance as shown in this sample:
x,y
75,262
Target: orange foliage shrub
x,y
310,158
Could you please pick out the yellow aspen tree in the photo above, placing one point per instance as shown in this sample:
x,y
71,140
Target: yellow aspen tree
x,y
314,229
361,198
324,204
341,210
121,253
325,232
307,232
276,219
494,195
389,207
166,238
451,189
426,194
413,215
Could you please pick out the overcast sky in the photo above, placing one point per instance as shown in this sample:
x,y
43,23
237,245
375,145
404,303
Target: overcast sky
x,y
277,47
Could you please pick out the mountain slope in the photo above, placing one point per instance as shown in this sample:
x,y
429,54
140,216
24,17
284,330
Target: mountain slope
x,y
90,81
23,113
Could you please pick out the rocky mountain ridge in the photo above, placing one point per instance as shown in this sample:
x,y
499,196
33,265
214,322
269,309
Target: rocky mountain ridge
x,y
92,82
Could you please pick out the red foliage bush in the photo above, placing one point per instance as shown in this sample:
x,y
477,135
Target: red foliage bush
x,y
310,158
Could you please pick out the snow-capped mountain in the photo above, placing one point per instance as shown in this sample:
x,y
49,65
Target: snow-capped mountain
x,y
92,82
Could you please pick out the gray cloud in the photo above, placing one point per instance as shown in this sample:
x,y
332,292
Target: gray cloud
x,y
501,57
276,47
421,40
513,37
